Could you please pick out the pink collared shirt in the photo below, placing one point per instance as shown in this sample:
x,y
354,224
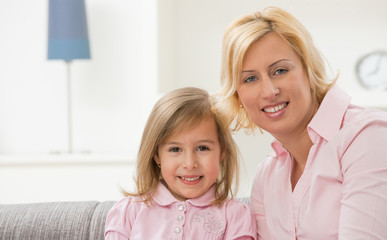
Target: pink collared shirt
x,y
170,218
342,193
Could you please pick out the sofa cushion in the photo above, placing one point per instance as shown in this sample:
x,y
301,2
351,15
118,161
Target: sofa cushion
x,y
46,221
97,224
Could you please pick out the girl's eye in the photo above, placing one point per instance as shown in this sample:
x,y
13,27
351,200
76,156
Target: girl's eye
x,y
280,71
175,149
203,148
250,79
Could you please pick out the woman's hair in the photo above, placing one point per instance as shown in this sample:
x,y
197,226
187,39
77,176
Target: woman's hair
x,y
176,111
245,31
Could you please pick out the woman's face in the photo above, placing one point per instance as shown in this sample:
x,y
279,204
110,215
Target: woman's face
x,y
274,88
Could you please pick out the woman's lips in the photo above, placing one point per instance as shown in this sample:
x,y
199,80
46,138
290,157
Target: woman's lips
x,y
276,108
275,111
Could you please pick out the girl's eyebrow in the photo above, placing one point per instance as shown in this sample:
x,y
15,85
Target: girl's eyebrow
x,y
207,141
172,143
200,141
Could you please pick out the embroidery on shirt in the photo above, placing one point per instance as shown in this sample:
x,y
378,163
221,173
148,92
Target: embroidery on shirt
x,y
212,224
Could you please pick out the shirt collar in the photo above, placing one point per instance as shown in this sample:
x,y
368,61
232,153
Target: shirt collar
x,y
328,119
164,197
278,148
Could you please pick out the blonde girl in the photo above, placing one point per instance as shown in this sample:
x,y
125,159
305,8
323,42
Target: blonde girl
x,y
186,178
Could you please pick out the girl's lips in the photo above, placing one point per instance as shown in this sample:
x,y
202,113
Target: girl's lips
x,y
190,179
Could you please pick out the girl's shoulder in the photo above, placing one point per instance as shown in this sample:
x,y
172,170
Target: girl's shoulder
x,y
126,205
240,218
237,205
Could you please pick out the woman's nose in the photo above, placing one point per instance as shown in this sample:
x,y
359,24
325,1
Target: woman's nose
x,y
269,90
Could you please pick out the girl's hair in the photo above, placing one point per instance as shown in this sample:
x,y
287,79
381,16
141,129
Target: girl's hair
x,y
178,110
245,31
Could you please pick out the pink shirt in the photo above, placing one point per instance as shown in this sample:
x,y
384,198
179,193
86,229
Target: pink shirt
x,y
342,193
169,218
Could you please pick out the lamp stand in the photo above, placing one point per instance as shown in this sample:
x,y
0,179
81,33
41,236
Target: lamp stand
x,y
69,110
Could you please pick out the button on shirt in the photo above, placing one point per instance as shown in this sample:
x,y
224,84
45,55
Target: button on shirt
x,y
170,218
342,193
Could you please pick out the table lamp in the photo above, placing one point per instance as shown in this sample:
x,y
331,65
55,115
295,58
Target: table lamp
x,y
68,40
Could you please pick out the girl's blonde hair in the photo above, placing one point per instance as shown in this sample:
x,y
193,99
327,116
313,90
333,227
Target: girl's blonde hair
x,y
245,31
178,110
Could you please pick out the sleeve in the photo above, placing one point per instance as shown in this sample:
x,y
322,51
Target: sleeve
x,y
363,213
257,204
119,220
240,222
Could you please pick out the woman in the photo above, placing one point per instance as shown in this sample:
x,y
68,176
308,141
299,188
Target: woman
x,y
327,178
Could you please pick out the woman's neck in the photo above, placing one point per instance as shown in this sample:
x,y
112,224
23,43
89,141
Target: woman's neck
x,y
298,147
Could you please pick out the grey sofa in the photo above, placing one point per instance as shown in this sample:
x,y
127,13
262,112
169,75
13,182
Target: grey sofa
x,y
54,221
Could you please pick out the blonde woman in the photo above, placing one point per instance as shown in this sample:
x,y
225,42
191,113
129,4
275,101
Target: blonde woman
x,y
327,177
187,164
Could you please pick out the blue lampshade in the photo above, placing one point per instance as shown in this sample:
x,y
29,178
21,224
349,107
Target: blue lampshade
x,y
67,30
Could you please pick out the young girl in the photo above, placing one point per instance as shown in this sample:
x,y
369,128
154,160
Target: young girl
x,y
186,167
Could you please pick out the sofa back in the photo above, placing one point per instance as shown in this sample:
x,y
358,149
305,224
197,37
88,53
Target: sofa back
x,y
55,220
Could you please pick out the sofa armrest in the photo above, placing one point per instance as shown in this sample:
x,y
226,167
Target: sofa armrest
x,y
46,221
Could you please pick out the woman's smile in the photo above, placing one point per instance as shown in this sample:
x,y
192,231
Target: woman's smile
x,y
278,85
276,108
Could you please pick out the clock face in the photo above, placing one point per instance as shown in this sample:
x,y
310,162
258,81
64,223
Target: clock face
x,y
372,70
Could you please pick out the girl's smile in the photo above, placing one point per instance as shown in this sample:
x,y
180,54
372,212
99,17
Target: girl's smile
x,y
189,160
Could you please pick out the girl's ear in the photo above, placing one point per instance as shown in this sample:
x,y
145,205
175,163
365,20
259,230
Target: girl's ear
x,y
156,159
222,155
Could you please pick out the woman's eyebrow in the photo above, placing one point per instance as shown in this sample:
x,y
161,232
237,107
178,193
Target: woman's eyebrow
x,y
271,65
279,61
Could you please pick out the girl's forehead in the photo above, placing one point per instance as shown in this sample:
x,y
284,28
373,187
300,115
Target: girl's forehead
x,y
189,125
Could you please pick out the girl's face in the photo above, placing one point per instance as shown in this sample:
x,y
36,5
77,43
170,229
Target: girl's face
x,y
274,88
190,160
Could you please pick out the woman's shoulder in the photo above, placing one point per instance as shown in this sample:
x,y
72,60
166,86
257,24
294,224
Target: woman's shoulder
x,y
363,122
356,116
266,164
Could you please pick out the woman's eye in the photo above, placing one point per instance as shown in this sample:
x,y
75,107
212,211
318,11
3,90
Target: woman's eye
x,y
250,79
175,149
280,71
203,148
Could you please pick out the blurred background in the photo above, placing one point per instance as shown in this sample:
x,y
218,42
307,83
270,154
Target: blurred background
x,y
139,51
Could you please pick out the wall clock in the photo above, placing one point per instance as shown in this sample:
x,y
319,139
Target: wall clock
x,y
371,70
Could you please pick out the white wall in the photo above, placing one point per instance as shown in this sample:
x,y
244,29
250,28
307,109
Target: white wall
x,y
139,49
112,92
343,30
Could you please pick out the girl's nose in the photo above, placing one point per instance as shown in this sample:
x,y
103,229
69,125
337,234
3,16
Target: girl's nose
x,y
190,161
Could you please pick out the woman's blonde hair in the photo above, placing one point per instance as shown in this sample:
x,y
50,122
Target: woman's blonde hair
x,y
178,110
245,31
